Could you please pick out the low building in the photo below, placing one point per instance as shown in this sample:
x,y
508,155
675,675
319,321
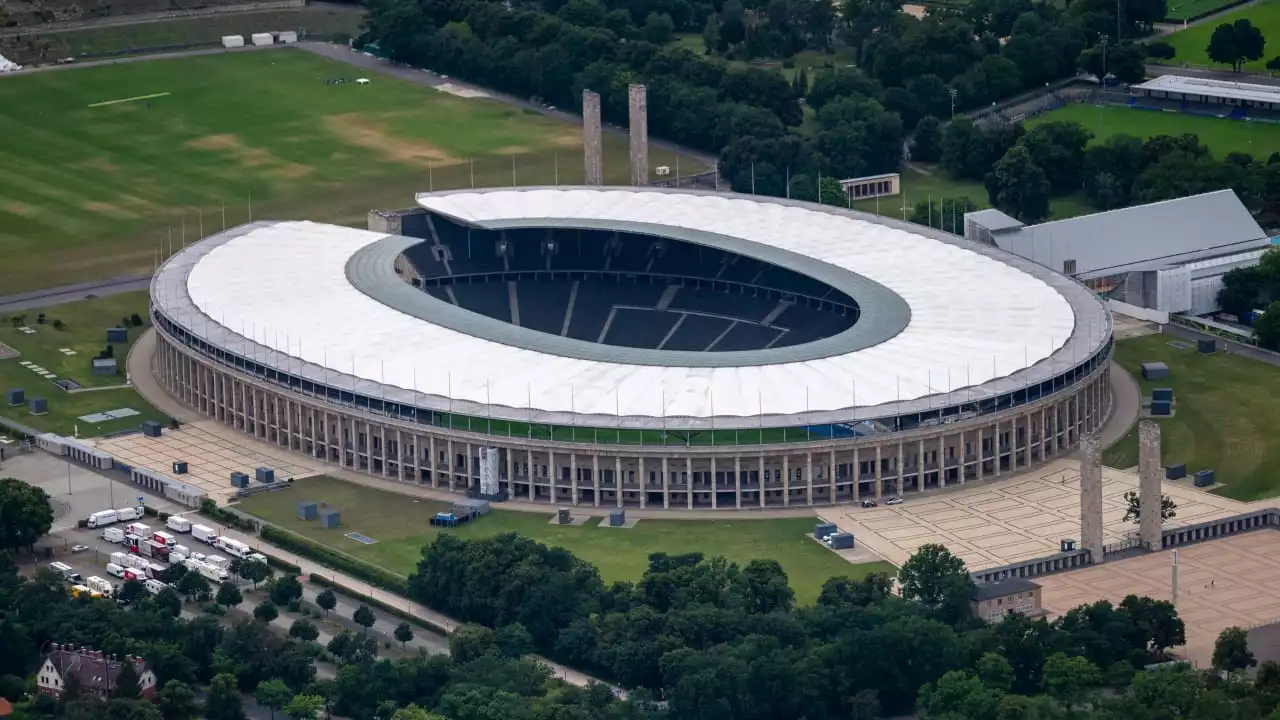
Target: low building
x,y
992,601
1209,91
1168,256
95,672
872,186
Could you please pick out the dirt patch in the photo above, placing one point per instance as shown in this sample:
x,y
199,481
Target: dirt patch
x,y
13,207
568,137
110,210
251,157
359,130
512,150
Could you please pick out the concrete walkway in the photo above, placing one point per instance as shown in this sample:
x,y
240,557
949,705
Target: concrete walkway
x,y
1127,404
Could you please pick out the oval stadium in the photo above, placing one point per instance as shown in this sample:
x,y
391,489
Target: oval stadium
x,y
637,347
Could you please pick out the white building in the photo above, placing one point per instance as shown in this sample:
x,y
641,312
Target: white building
x,y
1168,256
96,672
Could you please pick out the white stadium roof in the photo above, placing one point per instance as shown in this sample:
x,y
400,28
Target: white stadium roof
x,y
1209,87
978,317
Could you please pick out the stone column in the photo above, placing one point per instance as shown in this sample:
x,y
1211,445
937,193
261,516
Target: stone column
x,y
1149,483
591,142
638,105
1091,537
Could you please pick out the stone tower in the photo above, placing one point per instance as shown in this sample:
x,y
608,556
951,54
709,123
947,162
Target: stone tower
x,y
638,105
1149,484
1091,536
591,141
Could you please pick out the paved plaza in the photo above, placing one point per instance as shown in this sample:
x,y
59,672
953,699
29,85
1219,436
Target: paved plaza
x,y
210,457
1009,520
1229,581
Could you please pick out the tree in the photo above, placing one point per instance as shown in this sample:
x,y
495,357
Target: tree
x,y
25,514
177,701
514,641
936,579
995,672
284,589
658,28
1058,148
194,586
228,595
1168,508
342,646
127,682
469,642
132,591
1068,678
404,634
1267,327
223,701
958,695
304,630
1125,62
414,712
253,571
1236,43
1019,187
1272,66
872,588
266,611
273,694
167,601
1157,620
1161,50
926,143
326,600
1231,651
304,707
364,617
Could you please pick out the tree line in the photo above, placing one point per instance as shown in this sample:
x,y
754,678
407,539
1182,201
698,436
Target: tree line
x,y
1023,169
718,640
1253,288
913,69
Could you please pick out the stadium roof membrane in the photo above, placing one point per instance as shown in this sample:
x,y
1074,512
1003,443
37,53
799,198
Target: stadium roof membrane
x,y
981,321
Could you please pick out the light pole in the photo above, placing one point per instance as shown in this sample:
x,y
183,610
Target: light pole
x,y
1103,80
1173,565
953,93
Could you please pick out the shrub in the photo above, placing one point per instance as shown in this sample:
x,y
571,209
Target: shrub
x,y
135,320
58,324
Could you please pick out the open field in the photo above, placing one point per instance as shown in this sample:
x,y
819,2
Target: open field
x,y
316,21
939,185
1226,416
93,192
1191,43
1220,135
400,525
85,334
1186,9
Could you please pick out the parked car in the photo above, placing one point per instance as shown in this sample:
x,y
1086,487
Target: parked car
x,y
893,501
868,503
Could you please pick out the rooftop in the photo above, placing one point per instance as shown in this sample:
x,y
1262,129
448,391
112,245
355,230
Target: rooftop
x,y
1226,89
1002,588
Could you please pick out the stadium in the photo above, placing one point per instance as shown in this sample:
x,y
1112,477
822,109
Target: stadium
x,y
638,347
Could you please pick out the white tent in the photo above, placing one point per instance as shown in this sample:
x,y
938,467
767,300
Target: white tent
x,y
362,81
232,41
7,65
263,39
289,37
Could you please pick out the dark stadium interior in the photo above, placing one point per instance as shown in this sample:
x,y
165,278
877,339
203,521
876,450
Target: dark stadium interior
x,y
625,289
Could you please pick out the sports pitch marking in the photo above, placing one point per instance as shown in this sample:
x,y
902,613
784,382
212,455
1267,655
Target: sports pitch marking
x,y
128,100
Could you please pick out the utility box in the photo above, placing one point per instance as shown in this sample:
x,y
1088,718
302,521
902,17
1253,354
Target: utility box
x,y
38,406
563,517
1175,472
822,530
179,467
1154,371
16,396
841,541
104,366
1067,545
265,475
1161,407
239,480
117,335
470,506
1162,394
1207,347
1203,478
151,428
308,510
617,517
330,518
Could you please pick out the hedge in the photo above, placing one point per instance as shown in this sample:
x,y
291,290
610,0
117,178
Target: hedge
x,y
401,613
341,562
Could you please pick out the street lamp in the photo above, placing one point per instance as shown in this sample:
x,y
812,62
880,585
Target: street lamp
x,y
953,93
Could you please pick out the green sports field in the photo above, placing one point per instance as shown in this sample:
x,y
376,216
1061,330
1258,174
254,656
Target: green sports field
x,y
92,182
1190,44
1226,417
84,333
1180,10
1220,135
400,525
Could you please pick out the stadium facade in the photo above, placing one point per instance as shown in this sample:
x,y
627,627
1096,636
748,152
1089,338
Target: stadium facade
x,y
636,347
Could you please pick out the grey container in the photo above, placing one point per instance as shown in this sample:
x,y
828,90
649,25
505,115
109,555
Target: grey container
x,y
330,518
1154,371
563,517
151,428
1175,472
179,467
842,541
1161,407
617,517
1162,394
16,396
38,406
470,506
265,475
822,530
239,480
1207,347
117,335
1204,478
308,510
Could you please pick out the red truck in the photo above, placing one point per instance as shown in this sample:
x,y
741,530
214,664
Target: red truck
x,y
153,549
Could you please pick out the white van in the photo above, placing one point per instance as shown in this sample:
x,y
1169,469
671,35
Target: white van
x,y
155,587
142,530
64,570
234,547
102,518
100,585
204,533
113,535
217,561
177,523
115,570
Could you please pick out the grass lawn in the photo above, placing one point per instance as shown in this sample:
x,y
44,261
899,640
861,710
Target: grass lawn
x,y
400,525
1226,415
88,192
317,21
1221,135
1191,43
940,186
85,333
1180,10
810,60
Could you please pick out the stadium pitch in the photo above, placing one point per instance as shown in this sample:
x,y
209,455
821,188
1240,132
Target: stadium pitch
x,y
1191,44
404,529
1221,135
94,192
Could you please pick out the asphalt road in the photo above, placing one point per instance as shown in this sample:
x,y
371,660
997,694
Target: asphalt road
x,y
72,293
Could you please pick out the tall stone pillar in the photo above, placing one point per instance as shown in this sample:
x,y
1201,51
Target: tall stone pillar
x,y
638,106
1149,484
1091,537
591,140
